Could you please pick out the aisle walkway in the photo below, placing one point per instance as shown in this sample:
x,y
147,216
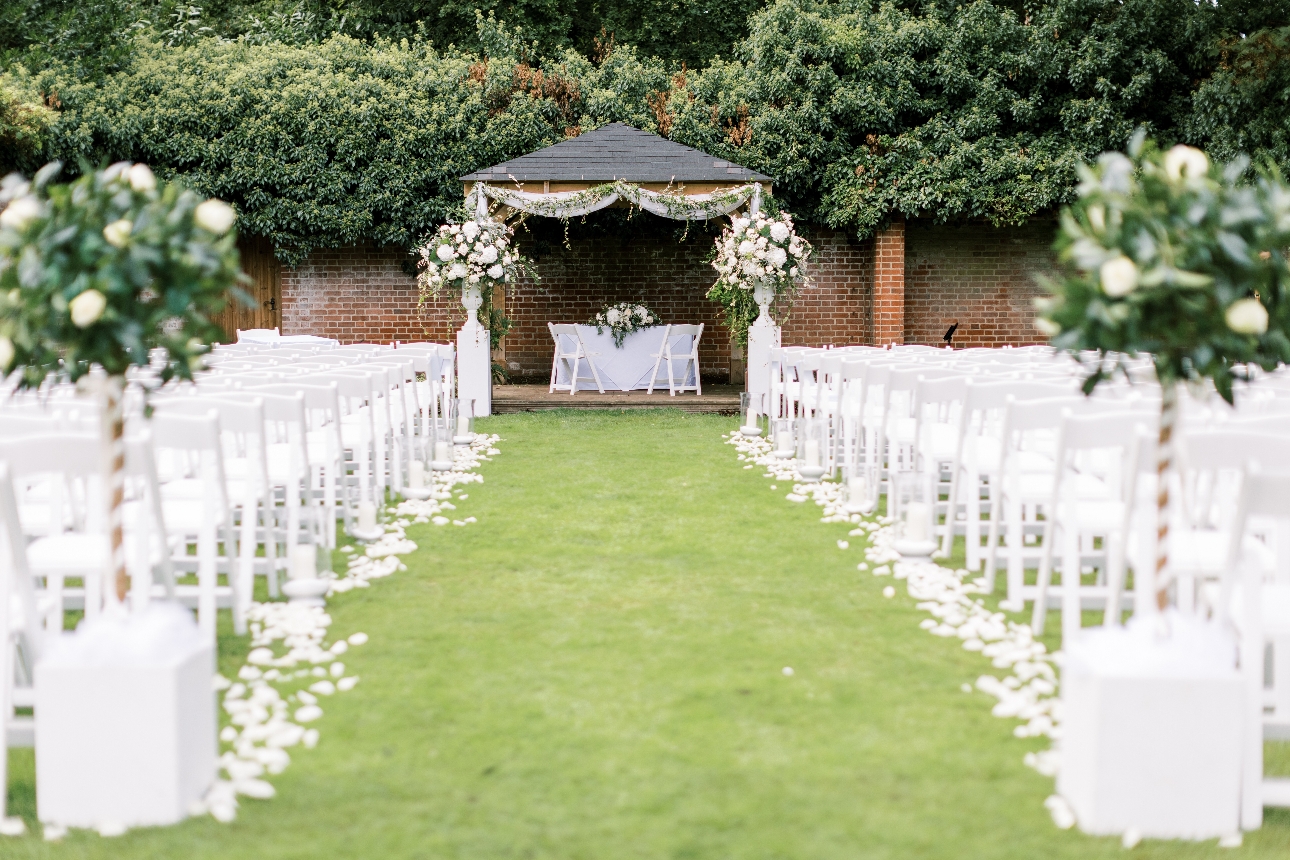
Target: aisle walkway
x,y
595,670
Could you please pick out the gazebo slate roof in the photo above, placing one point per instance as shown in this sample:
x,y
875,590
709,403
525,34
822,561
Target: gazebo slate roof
x,y
617,151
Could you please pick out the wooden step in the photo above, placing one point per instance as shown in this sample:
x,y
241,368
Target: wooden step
x,y
718,399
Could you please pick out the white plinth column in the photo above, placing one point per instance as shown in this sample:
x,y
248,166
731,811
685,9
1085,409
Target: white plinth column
x,y
763,336
761,340
474,370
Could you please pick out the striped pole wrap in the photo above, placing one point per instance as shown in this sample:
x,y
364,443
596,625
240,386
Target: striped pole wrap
x,y
113,423
1164,465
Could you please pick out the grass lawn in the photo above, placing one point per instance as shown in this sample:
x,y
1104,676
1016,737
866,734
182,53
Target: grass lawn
x,y
594,670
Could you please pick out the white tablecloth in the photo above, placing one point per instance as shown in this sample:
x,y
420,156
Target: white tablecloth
x,y
628,368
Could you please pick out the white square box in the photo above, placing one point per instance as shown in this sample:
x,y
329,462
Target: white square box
x,y
1151,731
125,721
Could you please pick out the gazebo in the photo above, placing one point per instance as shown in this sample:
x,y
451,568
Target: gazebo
x,y
615,165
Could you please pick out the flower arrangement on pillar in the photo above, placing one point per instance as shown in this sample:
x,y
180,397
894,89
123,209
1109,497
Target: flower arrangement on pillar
x,y
110,272
1168,256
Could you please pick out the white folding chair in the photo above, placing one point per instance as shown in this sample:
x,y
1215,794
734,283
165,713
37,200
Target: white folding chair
x,y
570,352
1256,600
669,352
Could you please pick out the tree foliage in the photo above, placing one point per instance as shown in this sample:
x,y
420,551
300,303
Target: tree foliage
x,y
858,108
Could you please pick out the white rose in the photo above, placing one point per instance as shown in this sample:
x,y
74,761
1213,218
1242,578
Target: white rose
x,y
87,308
745,248
458,270
1119,276
118,232
445,253
19,212
777,257
473,279
779,232
6,353
496,272
489,255
1186,162
214,216
641,313
141,178
1247,316
793,272
761,241
740,224
613,316
1047,327
471,229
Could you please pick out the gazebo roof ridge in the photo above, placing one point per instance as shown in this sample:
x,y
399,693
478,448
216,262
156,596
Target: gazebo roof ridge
x,y
618,151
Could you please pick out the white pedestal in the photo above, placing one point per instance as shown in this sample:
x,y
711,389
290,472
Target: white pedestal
x,y
1151,731
125,721
762,338
474,368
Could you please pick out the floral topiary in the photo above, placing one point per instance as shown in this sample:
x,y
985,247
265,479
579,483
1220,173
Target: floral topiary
x,y
1170,256
99,273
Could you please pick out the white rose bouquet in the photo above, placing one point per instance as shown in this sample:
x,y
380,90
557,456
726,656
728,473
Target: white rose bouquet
x,y
1170,256
473,254
761,249
622,319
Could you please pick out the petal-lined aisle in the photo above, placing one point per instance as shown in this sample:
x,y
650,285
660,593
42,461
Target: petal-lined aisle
x,y
596,668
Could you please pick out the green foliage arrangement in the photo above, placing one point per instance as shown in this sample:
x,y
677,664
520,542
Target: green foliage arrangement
x,y
858,109
24,125
1170,256
104,269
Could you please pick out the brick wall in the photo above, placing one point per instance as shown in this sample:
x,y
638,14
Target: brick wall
x,y
889,284
364,294
982,276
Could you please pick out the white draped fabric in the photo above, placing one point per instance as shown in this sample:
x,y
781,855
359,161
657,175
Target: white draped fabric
x,y
627,368
572,204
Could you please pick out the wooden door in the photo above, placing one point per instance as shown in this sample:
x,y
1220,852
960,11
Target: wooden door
x,y
265,289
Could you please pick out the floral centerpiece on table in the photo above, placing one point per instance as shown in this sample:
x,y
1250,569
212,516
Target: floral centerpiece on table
x,y
759,259
622,319
1169,256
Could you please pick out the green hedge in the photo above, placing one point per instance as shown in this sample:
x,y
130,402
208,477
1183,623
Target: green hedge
x,y
858,110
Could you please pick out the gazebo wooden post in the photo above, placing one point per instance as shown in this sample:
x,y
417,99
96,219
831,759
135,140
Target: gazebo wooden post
x,y
474,353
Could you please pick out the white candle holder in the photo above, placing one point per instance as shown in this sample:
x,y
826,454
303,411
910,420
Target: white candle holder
x,y
366,526
812,448
441,456
859,499
420,483
914,505
463,423
750,408
305,563
783,437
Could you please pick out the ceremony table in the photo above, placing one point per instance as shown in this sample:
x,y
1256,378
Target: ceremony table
x,y
628,368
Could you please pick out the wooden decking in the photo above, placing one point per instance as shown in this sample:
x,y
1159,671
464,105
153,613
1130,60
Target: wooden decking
x,y
721,399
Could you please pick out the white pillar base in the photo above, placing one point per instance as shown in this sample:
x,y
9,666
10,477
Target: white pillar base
x,y
762,338
474,368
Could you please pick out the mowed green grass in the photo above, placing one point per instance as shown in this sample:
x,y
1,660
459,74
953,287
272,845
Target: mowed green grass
x,y
594,670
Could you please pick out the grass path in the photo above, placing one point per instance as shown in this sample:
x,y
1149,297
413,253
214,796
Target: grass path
x,y
593,670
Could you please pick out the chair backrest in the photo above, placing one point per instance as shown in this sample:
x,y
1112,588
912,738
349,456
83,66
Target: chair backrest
x,y
568,342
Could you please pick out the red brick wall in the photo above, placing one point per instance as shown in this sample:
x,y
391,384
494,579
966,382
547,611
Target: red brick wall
x,y
979,275
363,294
982,276
889,306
